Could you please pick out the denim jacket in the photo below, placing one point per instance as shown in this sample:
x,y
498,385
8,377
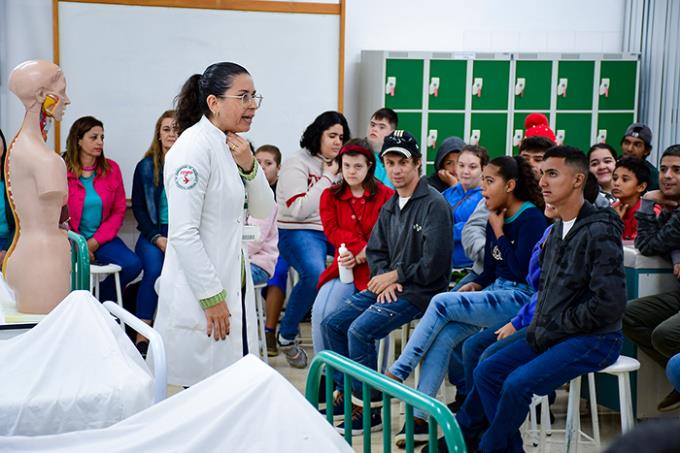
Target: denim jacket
x,y
146,199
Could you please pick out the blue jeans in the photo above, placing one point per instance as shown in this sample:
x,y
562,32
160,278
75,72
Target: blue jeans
x,y
353,329
456,368
280,277
673,371
451,318
505,382
330,297
116,252
258,274
483,345
305,251
152,262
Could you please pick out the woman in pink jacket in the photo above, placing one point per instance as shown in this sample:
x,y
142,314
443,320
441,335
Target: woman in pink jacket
x,y
96,201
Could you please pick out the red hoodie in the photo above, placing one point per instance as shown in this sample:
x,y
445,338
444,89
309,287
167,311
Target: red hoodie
x,y
349,220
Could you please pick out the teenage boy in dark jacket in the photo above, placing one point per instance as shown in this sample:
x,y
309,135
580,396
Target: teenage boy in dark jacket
x,y
576,328
409,256
653,322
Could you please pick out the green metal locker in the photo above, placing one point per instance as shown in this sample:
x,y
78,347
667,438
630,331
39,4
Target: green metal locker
x,y
576,128
613,126
407,78
449,77
518,124
494,76
617,85
411,122
492,128
575,85
443,125
537,78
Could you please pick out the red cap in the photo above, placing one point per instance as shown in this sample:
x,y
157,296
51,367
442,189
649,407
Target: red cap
x,y
536,125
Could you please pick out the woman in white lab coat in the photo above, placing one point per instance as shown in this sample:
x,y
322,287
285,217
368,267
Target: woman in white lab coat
x,y
202,315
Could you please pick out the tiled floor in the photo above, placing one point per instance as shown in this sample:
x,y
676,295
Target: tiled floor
x,y
609,421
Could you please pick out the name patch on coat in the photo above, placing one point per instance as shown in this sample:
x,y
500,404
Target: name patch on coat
x,y
186,177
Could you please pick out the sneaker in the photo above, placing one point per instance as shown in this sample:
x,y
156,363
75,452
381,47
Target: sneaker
x,y
376,399
270,340
295,354
454,406
358,422
670,402
338,407
441,447
420,433
143,348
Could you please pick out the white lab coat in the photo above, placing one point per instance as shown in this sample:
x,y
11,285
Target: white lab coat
x,y
205,209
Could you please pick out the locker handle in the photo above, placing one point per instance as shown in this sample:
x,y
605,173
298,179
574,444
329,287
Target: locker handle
x,y
432,138
391,85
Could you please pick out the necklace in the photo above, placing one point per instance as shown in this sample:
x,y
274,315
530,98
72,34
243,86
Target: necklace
x,y
92,168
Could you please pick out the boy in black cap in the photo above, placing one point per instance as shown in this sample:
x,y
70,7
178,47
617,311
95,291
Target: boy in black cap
x,y
445,164
409,256
637,142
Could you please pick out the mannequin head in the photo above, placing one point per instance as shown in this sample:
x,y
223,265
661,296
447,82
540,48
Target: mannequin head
x,y
40,82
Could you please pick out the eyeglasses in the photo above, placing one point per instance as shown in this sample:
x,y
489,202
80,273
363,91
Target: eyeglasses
x,y
246,98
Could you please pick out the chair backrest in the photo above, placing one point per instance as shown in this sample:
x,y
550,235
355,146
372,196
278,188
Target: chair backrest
x,y
80,262
438,413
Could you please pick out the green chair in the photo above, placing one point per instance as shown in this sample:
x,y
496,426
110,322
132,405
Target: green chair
x,y
80,262
439,414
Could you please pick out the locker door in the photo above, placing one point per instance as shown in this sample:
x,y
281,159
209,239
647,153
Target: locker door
x,y
537,77
613,126
452,75
495,76
579,85
493,133
412,123
621,76
576,128
443,125
518,125
408,87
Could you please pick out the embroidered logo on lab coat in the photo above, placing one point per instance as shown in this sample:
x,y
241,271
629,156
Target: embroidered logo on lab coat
x,y
186,177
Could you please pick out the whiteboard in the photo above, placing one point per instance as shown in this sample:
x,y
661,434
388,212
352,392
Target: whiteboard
x,y
125,64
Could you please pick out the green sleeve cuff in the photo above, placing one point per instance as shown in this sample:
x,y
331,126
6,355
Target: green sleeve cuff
x,y
249,176
214,300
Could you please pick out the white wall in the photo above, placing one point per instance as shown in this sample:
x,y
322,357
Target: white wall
x,y
488,25
430,25
25,34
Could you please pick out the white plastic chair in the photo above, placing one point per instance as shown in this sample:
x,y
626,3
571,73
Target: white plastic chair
x,y
99,272
259,308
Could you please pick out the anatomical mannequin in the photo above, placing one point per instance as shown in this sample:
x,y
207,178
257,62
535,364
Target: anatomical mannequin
x,y
38,264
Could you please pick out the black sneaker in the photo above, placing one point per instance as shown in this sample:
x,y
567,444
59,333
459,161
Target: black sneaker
x,y
454,407
670,402
420,434
338,407
441,446
143,348
358,422
376,399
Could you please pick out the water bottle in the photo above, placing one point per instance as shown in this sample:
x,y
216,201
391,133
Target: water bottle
x,y
346,274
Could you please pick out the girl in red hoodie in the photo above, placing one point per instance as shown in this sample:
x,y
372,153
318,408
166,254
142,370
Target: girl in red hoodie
x,y
348,212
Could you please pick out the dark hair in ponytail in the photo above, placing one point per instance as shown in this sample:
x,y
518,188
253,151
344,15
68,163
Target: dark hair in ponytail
x,y
526,188
191,101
